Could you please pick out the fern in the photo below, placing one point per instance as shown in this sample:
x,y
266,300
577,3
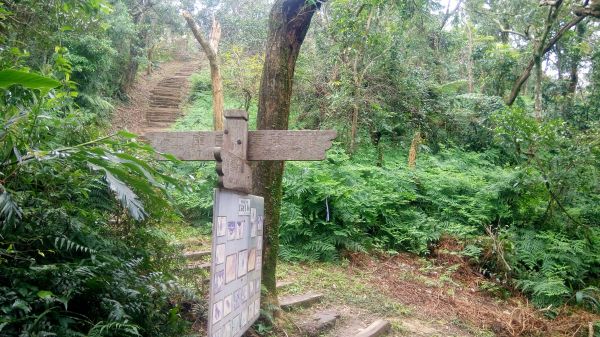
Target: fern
x,y
103,328
126,195
10,212
63,243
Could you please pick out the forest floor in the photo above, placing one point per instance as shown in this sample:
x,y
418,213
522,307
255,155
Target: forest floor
x,y
441,295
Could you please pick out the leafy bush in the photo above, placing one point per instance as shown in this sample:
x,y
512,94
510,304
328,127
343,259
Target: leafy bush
x,y
79,250
341,204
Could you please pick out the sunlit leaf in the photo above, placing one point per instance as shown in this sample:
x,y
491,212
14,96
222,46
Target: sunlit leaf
x,y
11,77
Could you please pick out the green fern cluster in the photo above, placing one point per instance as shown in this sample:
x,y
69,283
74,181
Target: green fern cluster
x,y
345,204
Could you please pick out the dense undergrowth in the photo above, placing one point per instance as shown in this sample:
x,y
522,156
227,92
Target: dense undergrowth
x,y
83,250
498,201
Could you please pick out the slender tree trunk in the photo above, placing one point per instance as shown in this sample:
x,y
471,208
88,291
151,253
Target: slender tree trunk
x,y
538,89
134,51
215,71
414,150
527,71
470,58
574,68
215,35
358,79
288,24
354,127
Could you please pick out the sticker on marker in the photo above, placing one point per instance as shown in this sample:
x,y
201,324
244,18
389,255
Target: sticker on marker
x,y
242,263
230,268
219,281
221,226
244,207
217,312
231,230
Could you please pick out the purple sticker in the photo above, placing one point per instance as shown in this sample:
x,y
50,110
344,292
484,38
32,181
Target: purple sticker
x,y
219,281
231,230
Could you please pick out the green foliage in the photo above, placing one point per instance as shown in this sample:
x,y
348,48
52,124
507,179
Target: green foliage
x,y
349,205
27,80
79,250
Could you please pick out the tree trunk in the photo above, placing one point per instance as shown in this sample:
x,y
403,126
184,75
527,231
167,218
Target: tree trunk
x,y
215,35
353,127
215,71
358,79
288,24
538,89
527,72
470,58
574,69
414,150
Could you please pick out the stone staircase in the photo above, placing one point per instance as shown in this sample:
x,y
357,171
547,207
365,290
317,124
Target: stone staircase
x,y
168,96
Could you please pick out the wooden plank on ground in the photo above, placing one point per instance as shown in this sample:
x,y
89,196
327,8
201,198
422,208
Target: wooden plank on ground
x,y
378,328
295,301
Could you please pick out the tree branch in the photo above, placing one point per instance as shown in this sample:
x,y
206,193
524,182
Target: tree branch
x,y
527,72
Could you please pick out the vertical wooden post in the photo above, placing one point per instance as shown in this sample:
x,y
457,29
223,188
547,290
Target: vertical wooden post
x,y
232,157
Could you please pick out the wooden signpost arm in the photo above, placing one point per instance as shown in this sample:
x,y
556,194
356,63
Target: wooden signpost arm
x,y
234,147
263,145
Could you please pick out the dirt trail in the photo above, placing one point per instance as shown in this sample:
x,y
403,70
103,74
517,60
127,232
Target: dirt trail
x,y
156,99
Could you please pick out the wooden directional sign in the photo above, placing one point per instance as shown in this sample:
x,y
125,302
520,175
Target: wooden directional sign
x,y
235,146
237,233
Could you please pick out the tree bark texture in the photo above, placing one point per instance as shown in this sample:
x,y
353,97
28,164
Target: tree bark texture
x,y
215,71
288,24
576,60
358,77
538,88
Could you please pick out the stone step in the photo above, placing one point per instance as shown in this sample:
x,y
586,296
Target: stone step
x,y
175,100
195,266
165,95
378,328
283,284
159,125
163,103
162,115
165,122
163,111
295,301
165,98
164,106
175,112
171,81
318,323
171,85
197,255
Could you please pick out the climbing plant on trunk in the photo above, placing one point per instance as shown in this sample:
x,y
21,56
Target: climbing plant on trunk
x,y
288,24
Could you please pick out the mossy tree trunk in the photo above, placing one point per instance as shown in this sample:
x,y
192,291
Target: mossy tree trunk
x,y
288,24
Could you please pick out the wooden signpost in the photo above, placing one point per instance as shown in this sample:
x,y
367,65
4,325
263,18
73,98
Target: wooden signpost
x,y
234,294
